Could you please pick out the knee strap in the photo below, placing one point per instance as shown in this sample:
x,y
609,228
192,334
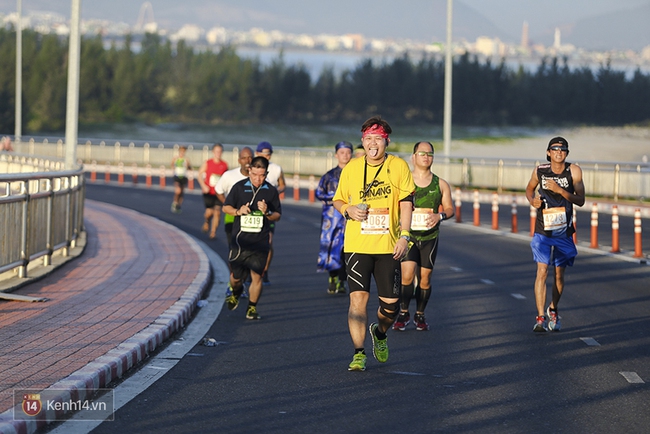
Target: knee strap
x,y
389,310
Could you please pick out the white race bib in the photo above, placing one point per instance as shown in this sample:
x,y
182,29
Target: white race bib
x,y
214,178
419,219
377,222
554,218
252,223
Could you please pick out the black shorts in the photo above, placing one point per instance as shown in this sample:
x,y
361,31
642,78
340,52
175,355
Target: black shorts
x,y
386,270
243,260
423,253
182,181
211,200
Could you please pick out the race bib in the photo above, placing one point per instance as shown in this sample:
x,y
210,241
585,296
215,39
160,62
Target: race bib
x,y
554,218
419,219
377,222
214,178
180,171
252,223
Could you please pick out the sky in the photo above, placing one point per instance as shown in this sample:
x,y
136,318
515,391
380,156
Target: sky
x,y
415,19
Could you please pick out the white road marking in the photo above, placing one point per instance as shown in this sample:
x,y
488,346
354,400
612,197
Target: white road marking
x,y
519,296
406,373
487,281
590,341
457,269
632,377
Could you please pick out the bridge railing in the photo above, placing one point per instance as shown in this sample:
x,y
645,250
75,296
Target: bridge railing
x,y
611,179
41,210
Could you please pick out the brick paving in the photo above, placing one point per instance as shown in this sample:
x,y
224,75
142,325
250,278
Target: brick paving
x,y
136,283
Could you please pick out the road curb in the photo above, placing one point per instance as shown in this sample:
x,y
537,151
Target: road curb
x,y
85,382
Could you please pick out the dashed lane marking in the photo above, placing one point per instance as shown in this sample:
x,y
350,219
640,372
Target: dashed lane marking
x,y
632,377
519,296
456,269
590,341
487,281
406,373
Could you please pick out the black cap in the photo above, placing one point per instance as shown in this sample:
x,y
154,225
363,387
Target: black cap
x,y
557,141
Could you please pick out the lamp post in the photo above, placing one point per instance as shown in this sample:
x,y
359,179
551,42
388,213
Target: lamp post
x,y
72,104
446,131
19,75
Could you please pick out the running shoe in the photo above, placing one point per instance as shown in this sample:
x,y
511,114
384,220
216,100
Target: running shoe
x,y
420,322
540,324
251,313
402,321
232,302
333,282
205,227
553,320
340,287
358,362
228,291
379,346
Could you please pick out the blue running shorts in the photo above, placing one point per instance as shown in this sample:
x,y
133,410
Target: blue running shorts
x,y
561,250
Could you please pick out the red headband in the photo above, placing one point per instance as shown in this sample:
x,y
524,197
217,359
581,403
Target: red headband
x,y
375,129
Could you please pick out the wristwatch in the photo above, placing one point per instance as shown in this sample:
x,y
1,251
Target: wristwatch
x,y
443,216
406,237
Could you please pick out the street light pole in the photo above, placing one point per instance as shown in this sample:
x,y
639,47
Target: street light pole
x,y
18,131
446,131
72,104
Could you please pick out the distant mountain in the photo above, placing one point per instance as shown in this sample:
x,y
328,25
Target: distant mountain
x,y
629,29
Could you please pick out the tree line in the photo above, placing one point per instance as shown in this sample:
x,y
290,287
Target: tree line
x,y
165,82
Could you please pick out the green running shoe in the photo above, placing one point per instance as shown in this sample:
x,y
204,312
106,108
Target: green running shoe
x,y
251,313
232,301
358,362
379,346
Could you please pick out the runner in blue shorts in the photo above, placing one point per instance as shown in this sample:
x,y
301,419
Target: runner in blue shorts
x,y
560,187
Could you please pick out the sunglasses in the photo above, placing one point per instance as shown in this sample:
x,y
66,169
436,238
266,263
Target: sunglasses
x,y
558,148
424,154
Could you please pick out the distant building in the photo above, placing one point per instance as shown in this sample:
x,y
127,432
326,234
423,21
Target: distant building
x,y
524,35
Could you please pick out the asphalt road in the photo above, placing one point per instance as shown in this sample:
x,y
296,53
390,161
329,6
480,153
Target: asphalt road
x,y
479,369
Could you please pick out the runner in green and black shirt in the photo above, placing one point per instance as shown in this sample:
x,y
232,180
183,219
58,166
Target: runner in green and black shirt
x,y
431,193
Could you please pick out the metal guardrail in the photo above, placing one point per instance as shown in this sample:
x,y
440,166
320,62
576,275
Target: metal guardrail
x,y
611,179
41,210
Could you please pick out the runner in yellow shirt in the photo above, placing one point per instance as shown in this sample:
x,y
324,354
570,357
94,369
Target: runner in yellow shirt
x,y
375,194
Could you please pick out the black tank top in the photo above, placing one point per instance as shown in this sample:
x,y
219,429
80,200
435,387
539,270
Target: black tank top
x,y
552,200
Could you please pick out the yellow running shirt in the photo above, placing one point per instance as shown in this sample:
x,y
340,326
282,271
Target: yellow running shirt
x,y
391,182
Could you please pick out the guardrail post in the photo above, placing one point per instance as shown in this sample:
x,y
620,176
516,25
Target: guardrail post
x,y
495,211
93,171
638,243
312,189
162,177
190,180
615,240
458,203
147,177
594,226
296,186
120,173
107,172
514,214
477,208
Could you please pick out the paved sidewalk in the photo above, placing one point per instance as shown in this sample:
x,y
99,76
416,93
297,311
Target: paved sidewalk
x,y
137,282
